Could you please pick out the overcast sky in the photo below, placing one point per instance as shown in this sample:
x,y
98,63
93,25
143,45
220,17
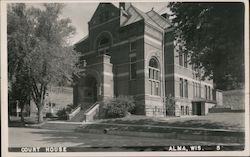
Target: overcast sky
x,y
81,13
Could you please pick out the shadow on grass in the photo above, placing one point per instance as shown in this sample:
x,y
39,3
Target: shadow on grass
x,y
197,122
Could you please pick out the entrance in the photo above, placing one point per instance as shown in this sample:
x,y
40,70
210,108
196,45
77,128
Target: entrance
x,y
196,107
90,92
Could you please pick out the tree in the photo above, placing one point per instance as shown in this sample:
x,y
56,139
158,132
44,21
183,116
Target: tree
x,y
18,44
38,43
212,35
170,105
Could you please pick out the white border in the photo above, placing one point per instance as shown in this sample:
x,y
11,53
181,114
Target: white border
x,y
4,91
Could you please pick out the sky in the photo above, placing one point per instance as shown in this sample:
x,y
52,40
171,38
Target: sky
x,y
81,13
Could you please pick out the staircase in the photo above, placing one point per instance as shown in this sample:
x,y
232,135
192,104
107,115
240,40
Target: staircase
x,y
81,115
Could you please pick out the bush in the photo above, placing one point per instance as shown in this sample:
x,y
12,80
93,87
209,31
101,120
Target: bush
x,y
118,107
62,114
49,115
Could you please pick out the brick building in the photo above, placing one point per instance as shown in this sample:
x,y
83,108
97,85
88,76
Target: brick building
x,y
129,52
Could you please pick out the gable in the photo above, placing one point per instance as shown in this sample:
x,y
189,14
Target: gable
x,y
103,13
161,21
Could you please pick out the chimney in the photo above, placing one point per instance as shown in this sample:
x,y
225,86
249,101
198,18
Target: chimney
x,y
124,6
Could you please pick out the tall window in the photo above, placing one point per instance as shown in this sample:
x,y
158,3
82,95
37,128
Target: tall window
x,y
209,93
154,77
205,91
132,67
132,46
186,88
181,87
187,110
194,90
185,60
104,46
180,59
199,90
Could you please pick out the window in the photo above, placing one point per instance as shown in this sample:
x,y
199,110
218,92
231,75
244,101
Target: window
x,y
104,42
104,46
205,91
209,93
187,110
181,87
186,88
180,59
182,110
199,90
185,60
132,67
194,89
154,77
132,46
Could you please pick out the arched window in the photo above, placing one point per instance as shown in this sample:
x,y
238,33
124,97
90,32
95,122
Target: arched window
x,y
104,42
153,63
154,77
104,46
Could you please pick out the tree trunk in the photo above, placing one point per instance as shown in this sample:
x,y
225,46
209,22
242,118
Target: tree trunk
x,y
40,113
22,114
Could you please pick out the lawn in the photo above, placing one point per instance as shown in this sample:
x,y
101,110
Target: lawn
x,y
229,121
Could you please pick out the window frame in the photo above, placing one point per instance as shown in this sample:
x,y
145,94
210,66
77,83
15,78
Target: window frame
x,y
181,87
180,59
154,78
132,48
133,74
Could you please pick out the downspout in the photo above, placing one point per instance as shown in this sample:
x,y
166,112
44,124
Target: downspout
x,y
163,73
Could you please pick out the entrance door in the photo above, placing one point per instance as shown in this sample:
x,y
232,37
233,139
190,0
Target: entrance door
x,y
198,108
91,89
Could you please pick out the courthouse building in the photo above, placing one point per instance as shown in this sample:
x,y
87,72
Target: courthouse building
x,y
130,52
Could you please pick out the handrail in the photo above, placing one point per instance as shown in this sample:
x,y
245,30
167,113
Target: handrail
x,y
92,106
74,112
92,112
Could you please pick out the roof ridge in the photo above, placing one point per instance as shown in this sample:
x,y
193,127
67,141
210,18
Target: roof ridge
x,y
137,10
167,20
154,21
141,12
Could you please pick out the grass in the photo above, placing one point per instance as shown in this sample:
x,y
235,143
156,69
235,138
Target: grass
x,y
229,121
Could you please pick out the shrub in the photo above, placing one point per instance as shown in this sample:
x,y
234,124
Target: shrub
x,y
170,105
49,115
62,114
118,107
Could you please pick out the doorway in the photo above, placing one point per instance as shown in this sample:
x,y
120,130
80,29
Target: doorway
x,y
91,88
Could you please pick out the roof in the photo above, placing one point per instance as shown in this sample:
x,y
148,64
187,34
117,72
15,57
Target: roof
x,y
163,22
150,17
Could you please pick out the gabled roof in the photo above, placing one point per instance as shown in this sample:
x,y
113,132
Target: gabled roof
x,y
136,15
99,7
163,22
